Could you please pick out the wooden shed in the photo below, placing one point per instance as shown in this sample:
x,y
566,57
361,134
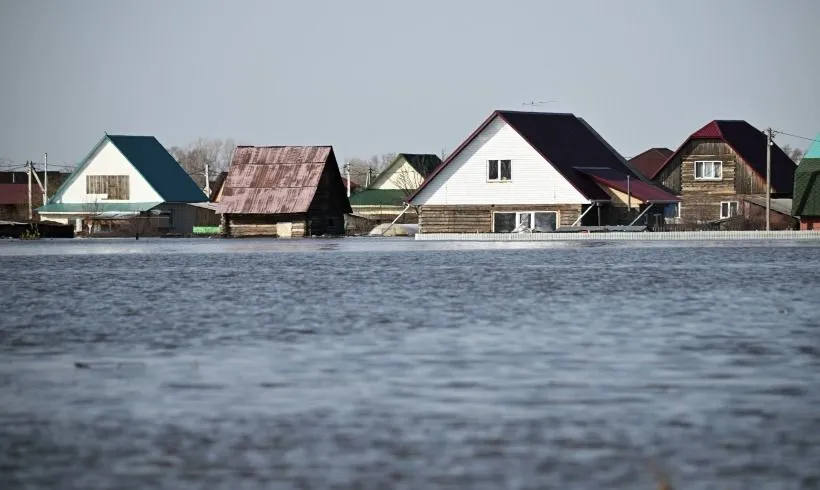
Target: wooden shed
x,y
284,191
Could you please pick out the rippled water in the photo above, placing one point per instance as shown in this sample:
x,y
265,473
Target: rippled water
x,y
396,364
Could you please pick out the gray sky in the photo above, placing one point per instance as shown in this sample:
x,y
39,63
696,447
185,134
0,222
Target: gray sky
x,y
375,76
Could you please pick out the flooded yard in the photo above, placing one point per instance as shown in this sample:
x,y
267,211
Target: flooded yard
x,y
390,363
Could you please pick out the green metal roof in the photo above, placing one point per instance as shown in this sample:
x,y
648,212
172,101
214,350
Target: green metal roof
x,y
98,207
806,199
159,168
153,162
379,197
814,149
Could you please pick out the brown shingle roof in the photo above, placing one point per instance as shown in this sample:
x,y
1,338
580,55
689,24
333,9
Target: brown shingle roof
x,y
648,162
273,179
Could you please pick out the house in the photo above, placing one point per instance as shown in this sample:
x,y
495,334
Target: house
x,y
385,199
806,200
717,166
128,184
283,191
539,171
648,162
14,193
14,201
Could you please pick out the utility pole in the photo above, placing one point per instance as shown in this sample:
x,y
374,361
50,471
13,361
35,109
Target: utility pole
x,y
207,182
628,195
28,170
769,137
45,178
347,177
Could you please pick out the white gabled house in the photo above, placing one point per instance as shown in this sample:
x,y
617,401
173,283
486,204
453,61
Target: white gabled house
x,y
123,179
536,171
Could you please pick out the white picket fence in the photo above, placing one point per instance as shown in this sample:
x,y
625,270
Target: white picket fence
x,y
613,236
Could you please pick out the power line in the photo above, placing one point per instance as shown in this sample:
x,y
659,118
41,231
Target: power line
x,y
794,135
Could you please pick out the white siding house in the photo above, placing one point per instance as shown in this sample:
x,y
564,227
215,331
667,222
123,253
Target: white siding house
x,y
126,182
529,171
465,178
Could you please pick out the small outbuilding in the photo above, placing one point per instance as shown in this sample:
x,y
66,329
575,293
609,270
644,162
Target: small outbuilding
x,y
284,191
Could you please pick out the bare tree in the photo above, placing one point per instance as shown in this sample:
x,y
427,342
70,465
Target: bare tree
x,y
796,154
365,170
92,210
214,153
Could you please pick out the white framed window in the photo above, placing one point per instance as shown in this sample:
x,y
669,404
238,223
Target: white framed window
x,y
499,170
708,170
539,221
728,209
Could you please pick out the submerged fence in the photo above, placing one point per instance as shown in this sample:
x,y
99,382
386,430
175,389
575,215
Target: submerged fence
x,y
618,236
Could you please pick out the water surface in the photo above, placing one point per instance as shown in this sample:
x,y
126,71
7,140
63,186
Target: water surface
x,y
389,363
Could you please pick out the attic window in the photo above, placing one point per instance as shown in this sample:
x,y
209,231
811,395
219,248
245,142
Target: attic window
x,y
708,170
111,187
499,170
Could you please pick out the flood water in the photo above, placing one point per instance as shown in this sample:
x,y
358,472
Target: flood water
x,y
361,363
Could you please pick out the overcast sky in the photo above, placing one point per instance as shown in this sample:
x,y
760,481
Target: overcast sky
x,y
375,76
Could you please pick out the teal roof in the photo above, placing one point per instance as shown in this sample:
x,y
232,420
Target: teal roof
x,y
153,162
806,198
814,149
98,207
159,168
379,197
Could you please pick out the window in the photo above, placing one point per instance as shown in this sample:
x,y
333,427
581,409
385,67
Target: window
x,y
672,210
539,221
708,170
109,186
499,170
728,209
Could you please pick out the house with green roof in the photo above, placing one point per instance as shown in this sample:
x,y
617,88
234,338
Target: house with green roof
x,y
806,198
127,181
385,198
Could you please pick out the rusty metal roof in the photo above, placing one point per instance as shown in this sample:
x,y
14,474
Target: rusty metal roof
x,y
273,179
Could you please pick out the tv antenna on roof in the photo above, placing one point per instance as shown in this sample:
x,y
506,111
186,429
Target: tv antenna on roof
x,y
536,103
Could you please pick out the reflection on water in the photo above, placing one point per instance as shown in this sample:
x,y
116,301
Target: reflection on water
x,y
396,364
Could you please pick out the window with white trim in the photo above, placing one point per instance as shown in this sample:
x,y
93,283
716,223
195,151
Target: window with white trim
x,y
499,170
708,170
538,221
728,209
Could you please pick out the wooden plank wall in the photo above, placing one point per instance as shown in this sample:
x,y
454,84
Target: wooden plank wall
x,y
478,219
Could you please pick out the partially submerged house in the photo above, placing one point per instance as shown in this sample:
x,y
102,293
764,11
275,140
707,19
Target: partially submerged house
x,y
534,171
14,192
386,197
719,165
648,162
129,184
806,200
286,191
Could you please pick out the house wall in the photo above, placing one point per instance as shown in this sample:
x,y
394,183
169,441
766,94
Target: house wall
x,y
700,199
810,224
401,175
479,218
108,161
464,180
245,225
182,217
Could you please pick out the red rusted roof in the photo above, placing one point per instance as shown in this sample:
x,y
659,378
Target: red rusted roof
x,y
273,179
620,182
750,143
17,193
